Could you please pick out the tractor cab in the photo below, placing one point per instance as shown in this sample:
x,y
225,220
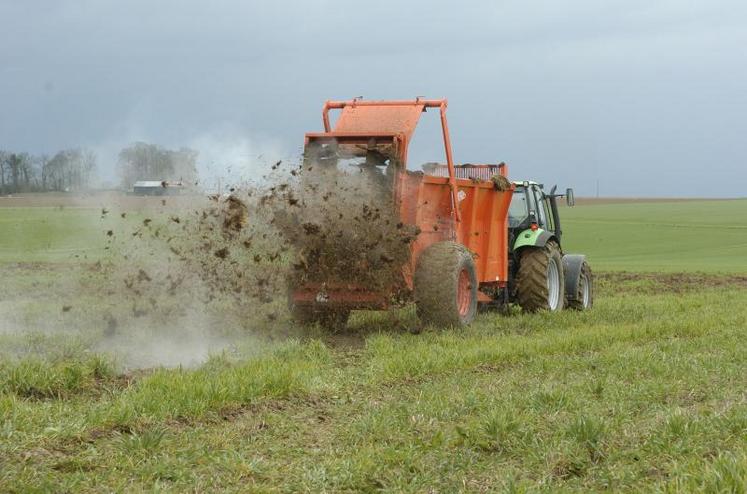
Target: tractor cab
x,y
534,212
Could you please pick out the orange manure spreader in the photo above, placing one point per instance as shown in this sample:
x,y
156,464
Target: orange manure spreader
x,y
448,237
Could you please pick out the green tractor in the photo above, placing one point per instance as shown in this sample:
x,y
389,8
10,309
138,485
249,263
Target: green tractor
x,y
542,277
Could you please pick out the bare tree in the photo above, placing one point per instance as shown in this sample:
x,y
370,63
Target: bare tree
x,y
3,157
14,164
71,169
40,164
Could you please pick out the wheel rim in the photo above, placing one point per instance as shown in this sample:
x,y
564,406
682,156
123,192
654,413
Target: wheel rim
x,y
553,285
585,292
464,293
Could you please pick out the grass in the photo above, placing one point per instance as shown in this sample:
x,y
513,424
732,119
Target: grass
x,y
646,392
642,393
51,234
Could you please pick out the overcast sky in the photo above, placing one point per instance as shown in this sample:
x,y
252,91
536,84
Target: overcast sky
x,y
647,97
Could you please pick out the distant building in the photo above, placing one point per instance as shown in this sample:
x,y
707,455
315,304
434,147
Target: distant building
x,y
157,188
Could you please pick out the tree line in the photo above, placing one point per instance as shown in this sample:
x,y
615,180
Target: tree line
x,y
76,169
69,169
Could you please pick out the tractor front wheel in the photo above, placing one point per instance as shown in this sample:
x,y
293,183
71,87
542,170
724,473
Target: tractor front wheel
x,y
445,285
540,282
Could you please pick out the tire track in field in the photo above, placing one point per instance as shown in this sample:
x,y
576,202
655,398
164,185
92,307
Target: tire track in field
x,y
660,225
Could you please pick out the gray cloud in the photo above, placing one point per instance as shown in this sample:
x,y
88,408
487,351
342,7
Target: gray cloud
x,y
632,93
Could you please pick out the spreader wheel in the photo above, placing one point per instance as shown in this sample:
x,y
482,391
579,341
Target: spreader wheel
x,y
445,285
540,282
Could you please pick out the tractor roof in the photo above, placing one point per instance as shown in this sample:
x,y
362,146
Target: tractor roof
x,y
524,182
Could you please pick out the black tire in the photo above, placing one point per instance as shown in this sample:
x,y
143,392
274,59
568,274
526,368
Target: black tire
x,y
442,268
584,299
533,279
333,319
301,314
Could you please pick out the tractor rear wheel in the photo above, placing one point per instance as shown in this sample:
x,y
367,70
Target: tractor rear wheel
x,y
445,285
540,282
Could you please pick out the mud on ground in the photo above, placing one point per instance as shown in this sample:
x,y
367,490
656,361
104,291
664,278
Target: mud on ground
x,y
666,282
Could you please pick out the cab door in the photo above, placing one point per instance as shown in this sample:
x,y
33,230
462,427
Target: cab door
x,y
544,211
538,207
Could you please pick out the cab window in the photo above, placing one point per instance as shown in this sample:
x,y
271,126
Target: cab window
x,y
541,213
518,211
548,212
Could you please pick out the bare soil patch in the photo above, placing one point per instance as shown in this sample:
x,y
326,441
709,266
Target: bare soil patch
x,y
669,282
590,201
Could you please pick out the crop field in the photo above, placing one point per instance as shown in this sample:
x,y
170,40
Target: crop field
x,y
679,236
645,392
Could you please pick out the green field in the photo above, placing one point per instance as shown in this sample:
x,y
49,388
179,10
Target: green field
x,y
646,392
685,236
44,234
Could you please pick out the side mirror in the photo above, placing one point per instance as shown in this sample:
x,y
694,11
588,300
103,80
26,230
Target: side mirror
x,y
570,200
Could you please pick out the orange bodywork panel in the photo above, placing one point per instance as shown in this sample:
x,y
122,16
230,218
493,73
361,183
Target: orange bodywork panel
x,y
394,120
483,228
